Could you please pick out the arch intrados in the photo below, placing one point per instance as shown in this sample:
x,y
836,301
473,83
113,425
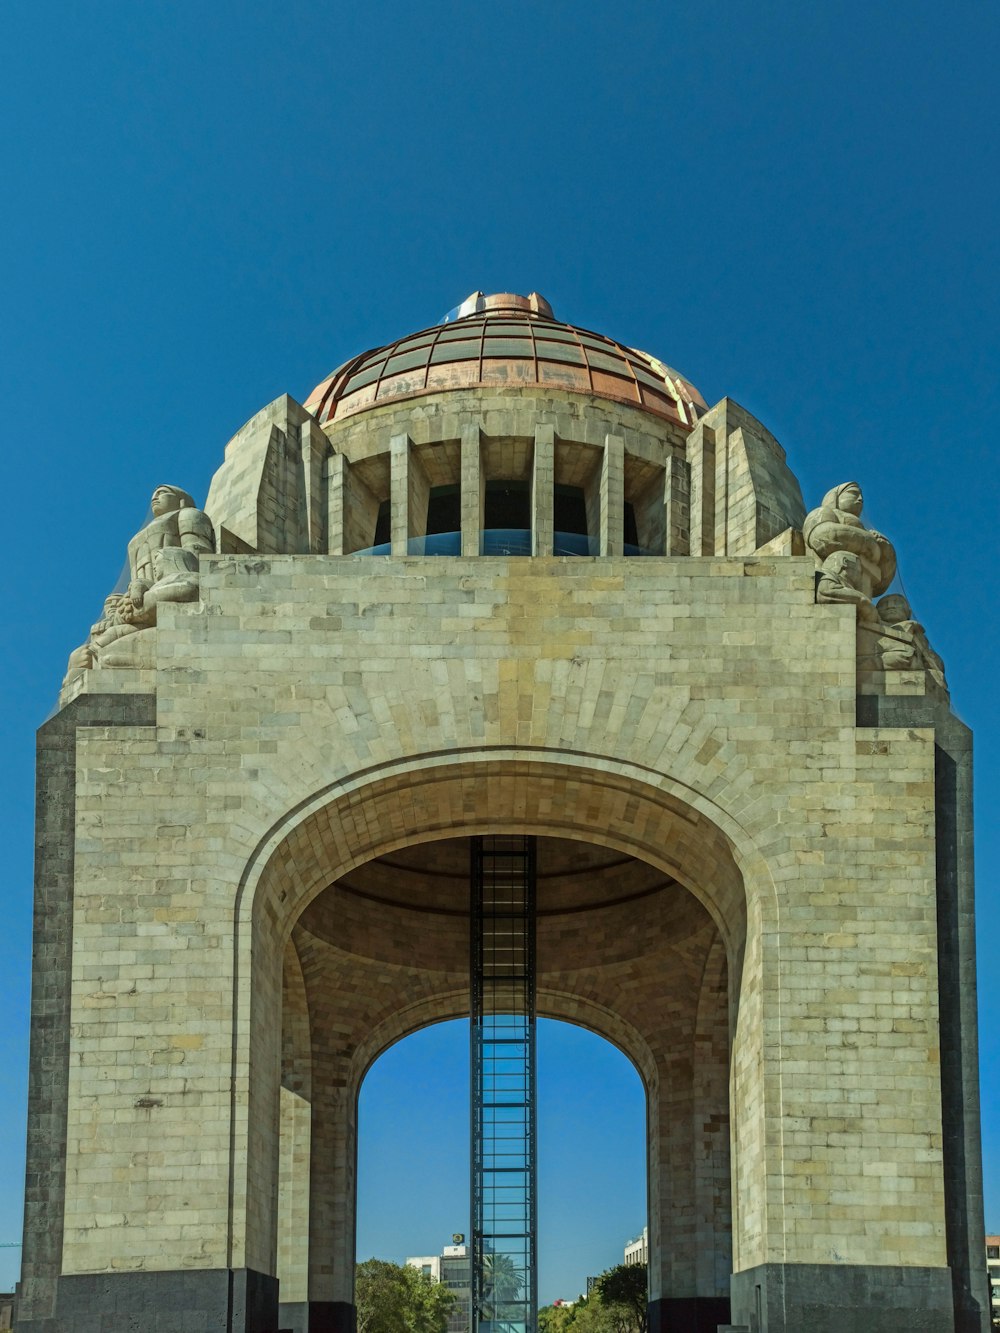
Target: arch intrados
x,y
639,1055
384,918
541,829
346,825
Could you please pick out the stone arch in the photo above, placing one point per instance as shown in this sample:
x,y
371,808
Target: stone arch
x,y
641,813
590,797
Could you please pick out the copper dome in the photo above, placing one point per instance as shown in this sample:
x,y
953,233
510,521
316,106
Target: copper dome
x,y
505,340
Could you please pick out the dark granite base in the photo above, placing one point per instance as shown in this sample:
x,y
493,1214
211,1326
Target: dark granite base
x,y
316,1317
199,1301
843,1298
293,1317
688,1314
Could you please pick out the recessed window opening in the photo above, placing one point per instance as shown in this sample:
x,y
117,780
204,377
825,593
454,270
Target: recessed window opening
x,y
570,531
508,505
643,511
630,533
569,509
383,524
444,509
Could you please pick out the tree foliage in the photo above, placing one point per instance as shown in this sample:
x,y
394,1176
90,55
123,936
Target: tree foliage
x,y
394,1299
559,1318
616,1304
623,1292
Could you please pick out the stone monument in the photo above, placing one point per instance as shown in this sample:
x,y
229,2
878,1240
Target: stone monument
x,y
723,727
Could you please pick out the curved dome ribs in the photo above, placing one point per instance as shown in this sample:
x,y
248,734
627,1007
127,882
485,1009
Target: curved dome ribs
x,y
506,345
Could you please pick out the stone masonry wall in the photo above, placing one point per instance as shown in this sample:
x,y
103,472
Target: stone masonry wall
x,y
697,712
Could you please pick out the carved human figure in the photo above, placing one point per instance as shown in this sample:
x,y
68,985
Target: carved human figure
x,y
163,567
842,579
905,647
82,658
836,526
163,557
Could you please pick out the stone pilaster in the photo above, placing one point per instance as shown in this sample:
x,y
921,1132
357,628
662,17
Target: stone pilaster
x,y
612,493
701,461
410,494
472,488
336,485
399,450
542,482
315,449
677,505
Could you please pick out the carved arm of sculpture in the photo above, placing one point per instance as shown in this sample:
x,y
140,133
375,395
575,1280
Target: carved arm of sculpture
x,y
194,527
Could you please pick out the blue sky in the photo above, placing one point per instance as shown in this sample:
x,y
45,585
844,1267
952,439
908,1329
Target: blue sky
x,y
209,205
591,1152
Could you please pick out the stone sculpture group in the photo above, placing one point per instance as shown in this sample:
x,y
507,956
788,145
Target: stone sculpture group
x,y
857,564
163,567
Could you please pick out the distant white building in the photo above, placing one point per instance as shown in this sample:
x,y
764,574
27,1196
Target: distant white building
x,y
452,1267
993,1269
429,1265
637,1251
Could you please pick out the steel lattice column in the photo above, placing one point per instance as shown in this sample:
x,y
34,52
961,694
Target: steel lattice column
x,y
502,985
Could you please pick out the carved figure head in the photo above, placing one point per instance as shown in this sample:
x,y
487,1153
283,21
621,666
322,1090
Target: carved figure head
x,y
893,607
846,497
168,498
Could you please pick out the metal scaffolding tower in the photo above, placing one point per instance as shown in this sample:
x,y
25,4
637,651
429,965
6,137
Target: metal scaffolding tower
x,y
502,977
